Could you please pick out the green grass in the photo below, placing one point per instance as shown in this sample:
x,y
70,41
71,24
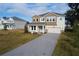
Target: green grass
x,y
68,44
12,39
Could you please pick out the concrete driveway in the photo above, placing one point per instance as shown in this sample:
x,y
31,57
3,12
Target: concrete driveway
x,y
42,46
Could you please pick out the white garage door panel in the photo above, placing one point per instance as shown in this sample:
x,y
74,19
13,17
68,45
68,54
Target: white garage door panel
x,y
53,30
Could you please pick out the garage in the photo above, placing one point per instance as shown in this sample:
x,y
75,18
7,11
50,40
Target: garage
x,y
53,30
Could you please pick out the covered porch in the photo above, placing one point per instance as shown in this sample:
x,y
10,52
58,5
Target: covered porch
x,y
36,27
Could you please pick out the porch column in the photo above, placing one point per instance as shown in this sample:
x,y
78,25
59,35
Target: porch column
x,y
36,28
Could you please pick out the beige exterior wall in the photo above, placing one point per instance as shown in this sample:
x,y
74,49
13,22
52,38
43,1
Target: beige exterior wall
x,y
47,17
36,19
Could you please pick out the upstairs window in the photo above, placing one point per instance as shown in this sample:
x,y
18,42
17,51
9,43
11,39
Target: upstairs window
x,y
37,19
53,19
33,19
42,19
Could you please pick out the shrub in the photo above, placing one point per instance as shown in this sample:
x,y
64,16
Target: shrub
x,y
26,29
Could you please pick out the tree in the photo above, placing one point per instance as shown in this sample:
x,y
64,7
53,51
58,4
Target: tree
x,y
26,28
75,8
73,5
73,14
70,17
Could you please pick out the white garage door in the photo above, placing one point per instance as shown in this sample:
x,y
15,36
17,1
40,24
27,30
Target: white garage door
x,y
53,30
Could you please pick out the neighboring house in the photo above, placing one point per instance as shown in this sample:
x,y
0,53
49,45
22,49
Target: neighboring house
x,y
9,22
19,23
48,22
12,23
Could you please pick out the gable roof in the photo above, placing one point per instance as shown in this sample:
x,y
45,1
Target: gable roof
x,y
51,13
17,18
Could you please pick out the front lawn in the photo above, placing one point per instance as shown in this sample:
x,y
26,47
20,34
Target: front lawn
x,y
14,38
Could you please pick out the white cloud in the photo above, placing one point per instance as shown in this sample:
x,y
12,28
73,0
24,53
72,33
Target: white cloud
x,y
38,8
23,8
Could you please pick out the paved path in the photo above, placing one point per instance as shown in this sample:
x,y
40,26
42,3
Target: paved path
x,y
42,46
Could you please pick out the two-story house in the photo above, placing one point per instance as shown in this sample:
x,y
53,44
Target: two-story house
x,y
12,23
8,22
47,22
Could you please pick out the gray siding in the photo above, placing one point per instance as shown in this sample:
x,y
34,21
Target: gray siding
x,y
19,24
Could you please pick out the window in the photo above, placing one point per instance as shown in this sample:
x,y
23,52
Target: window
x,y
50,19
33,19
43,19
31,27
47,19
34,27
44,27
37,19
40,27
53,19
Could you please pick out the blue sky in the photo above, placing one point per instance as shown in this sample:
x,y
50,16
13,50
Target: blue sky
x,y
27,10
